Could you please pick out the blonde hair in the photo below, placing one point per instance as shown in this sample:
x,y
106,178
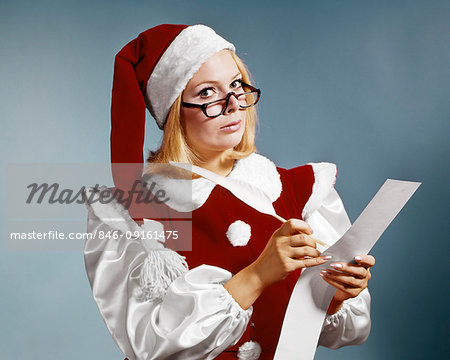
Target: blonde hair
x,y
174,145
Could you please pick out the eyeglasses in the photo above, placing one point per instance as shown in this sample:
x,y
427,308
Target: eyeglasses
x,y
213,109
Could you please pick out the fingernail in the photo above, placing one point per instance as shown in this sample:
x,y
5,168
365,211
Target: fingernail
x,y
358,258
324,272
326,257
336,266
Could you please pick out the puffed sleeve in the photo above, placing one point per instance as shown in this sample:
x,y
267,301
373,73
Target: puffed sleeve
x,y
326,215
193,318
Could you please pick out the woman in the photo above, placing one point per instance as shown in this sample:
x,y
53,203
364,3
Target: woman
x,y
243,263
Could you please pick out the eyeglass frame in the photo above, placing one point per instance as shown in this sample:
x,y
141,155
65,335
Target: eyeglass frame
x,y
227,99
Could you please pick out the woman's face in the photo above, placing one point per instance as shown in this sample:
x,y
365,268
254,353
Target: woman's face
x,y
218,76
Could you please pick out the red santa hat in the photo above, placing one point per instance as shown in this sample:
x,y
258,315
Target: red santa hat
x,y
151,72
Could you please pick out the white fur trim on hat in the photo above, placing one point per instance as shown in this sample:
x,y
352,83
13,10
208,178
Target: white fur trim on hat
x,y
249,350
239,233
181,60
324,180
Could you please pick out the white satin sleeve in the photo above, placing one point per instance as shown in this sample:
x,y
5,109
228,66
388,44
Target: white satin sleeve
x,y
196,319
326,215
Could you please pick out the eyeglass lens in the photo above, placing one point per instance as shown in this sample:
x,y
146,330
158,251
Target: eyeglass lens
x,y
245,100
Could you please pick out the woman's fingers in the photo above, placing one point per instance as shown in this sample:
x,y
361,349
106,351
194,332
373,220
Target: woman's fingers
x,y
302,240
349,278
359,268
301,245
304,263
344,291
352,269
348,281
295,226
365,260
302,251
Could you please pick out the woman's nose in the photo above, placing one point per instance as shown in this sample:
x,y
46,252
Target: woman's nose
x,y
233,104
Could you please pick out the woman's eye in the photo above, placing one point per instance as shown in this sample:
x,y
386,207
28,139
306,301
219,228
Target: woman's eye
x,y
236,84
205,93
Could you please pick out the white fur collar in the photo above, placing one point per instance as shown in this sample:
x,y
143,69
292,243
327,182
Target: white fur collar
x,y
324,180
188,195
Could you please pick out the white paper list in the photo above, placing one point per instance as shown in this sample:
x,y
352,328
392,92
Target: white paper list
x,y
311,295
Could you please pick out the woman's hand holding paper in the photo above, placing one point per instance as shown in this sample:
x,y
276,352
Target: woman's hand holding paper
x,y
350,279
289,248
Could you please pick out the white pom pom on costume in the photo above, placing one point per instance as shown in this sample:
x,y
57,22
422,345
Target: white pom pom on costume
x,y
161,266
249,350
239,233
159,270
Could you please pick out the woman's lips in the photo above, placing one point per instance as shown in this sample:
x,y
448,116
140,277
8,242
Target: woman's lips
x,y
232,126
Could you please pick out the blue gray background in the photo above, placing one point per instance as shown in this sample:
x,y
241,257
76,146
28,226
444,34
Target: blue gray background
x,y
364,84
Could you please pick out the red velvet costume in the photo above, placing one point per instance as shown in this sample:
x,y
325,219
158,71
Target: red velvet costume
x,y
211,246
174,325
